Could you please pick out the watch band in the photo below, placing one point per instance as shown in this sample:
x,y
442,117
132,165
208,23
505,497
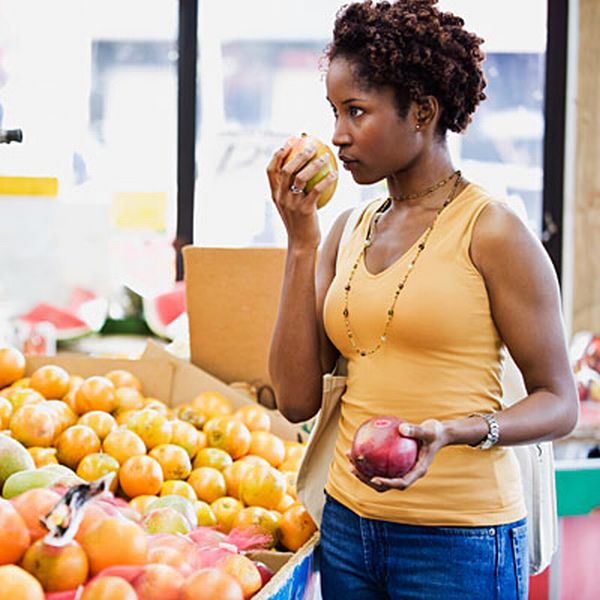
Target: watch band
x,y
493,435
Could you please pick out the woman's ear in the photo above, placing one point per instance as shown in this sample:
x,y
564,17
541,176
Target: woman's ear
x,y
425,112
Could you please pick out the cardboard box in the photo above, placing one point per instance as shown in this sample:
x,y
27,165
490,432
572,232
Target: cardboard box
x,y
232,297
176,381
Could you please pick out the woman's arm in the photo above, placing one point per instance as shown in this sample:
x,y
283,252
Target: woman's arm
x,y
299,350
525,303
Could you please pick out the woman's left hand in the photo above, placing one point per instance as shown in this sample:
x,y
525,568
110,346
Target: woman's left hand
x,y
431,436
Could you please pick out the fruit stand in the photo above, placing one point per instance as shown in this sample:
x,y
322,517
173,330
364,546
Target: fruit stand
x,y
168,384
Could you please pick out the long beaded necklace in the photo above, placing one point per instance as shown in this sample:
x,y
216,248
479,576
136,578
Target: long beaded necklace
x,y
411,265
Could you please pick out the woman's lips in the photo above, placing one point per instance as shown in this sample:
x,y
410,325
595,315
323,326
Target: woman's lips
x,y
348,163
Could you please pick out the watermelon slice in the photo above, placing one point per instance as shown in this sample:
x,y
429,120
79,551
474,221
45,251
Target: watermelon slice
x,y
68,326
164,309
85,314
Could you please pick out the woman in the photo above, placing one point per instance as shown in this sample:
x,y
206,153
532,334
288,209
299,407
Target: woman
x,y
431,287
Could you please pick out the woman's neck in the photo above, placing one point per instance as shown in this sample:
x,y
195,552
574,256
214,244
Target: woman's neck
x,y
430,169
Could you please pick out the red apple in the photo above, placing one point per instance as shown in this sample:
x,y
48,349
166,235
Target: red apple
x,y
299,145
380,450
265,573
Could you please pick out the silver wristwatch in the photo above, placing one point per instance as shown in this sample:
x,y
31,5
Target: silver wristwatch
x,y
493,435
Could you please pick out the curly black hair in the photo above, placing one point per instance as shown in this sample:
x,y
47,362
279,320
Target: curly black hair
x,y
416,49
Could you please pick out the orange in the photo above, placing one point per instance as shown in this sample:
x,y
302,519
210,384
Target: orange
x,y
57,568
291,464
208,483
174,461
63,414
123,443
255,460
212,457
21,383
115,541
262,486
254,417
74,382
12,366
101,422
209,584
294,449
141,476
233,475
173,487
14,534
226,509
212,404
128,399
229,435
70,400
141,503
190,414
51,381
95,465
93,513
261,520
152,427
268,446
43,456
33,425
295,527
33,504
245,572
18,583
21,396
166,555
157,405
205,514
285,503
95,393
290,478
6,409
122,378
187,436
158,582
109,587
122,417
74,443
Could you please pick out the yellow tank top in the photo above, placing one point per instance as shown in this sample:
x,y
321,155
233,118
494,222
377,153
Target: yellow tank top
x,y
443,359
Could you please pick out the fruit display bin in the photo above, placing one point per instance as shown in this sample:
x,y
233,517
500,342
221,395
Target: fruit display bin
x,y
176,381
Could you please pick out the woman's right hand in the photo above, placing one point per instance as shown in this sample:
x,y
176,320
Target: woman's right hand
x,y
298,209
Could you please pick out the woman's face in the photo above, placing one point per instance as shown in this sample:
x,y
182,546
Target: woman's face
x,y
374,141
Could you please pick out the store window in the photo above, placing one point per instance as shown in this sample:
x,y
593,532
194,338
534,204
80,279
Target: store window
x,y
93,87
259,82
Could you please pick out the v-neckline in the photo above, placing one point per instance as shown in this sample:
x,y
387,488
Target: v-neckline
x,y
409,250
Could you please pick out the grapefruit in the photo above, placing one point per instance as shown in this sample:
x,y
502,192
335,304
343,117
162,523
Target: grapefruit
x,y
13,458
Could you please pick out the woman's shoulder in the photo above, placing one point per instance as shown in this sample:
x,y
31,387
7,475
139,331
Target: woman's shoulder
x,y
500,230
493,214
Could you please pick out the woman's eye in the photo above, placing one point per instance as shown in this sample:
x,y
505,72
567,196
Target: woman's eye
x,y
355,111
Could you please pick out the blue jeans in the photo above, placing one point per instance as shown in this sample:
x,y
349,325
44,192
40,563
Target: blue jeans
x,y
367,559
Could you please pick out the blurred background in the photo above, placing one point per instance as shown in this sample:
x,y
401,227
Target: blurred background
x,y
94,86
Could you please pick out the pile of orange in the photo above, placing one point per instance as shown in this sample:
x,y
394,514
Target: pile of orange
x,y
225,463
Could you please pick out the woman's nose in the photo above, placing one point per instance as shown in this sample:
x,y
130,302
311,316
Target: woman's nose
x,y
340,134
